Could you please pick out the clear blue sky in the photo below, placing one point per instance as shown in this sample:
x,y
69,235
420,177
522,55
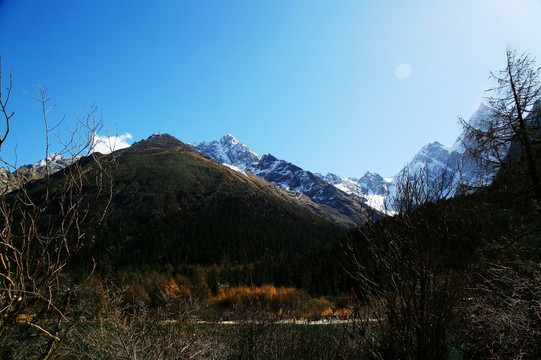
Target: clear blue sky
x,y
313,82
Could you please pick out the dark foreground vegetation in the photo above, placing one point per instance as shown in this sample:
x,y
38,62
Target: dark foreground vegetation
x,y
261,323
461,276
445,277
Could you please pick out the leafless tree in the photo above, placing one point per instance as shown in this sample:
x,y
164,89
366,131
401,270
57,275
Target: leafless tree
x,y
127,329
408,275
508,139
413,189
440,272
500,310
43,223
500,314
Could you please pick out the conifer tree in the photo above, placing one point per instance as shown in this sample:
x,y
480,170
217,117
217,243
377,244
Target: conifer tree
x,y
508,139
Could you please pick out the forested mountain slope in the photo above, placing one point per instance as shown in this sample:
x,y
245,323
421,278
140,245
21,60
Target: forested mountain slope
x,y
172,206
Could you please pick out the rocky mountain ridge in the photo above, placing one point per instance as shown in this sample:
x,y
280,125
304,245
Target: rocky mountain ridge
x,y
297,181
52,163
345,195
440,163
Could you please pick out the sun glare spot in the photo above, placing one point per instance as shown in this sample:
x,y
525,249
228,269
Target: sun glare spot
x,y
403,71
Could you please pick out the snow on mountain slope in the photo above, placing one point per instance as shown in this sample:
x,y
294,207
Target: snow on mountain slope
x,y
445,165
291,177
284,174
372,189
54,163
237,169
441,163
477,120
228,150
438,163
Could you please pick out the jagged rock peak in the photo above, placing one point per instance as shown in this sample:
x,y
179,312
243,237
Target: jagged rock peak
x,y
229,139
374,184
228,150
372,176
51,158
270,158
483,113
478,120
331,178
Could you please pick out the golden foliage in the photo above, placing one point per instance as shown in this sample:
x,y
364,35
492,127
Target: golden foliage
x,y
280,301
174,291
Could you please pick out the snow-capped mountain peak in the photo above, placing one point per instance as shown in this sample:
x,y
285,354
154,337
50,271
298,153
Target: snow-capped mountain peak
x,y
51,158
443,165
229,140
52,163
477,121
434,157
228,150
299,182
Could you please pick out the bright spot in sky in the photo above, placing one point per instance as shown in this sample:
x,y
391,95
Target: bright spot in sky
x,y
403,71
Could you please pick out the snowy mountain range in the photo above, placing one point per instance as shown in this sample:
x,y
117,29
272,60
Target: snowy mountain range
x,y
343,196
330,189
298,182
436,160
53,163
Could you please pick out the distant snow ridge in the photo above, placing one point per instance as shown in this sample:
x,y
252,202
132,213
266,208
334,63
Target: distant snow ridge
x,y
291,177
449,166
229,150
54,162
372,189
331,189
370,183
446,166
51,158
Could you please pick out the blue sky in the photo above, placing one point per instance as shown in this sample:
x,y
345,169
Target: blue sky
x,y
313,82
